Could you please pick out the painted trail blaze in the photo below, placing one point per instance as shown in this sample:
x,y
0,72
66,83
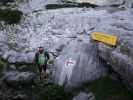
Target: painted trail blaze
x,y
104,37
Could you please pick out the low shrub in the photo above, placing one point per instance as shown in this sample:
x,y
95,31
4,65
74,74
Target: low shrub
x,y
10,16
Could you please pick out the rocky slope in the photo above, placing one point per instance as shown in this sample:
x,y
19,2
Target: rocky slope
x,y
124,3
58,30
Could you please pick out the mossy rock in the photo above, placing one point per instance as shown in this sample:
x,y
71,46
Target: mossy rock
x,y
10,16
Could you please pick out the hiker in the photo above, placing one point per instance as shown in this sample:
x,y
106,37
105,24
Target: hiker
x,y
41,59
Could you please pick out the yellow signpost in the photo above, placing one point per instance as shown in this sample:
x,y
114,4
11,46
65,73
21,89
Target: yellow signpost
x,y
104,37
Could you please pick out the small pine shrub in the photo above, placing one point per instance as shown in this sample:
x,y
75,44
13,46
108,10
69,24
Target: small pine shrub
x,y
10,16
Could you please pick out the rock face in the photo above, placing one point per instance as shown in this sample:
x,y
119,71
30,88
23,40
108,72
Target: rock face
x,y
84,96
78,63
29,6
15,78
99,2
124,3
46,29
57,31
120,58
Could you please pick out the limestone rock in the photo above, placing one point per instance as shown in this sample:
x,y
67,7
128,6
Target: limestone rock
x,y
15,78
84,96
78,63
49,28
99,2
120,58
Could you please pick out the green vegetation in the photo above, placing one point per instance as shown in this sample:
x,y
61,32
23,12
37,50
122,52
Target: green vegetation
x,y
3,65
54,92
108,89
104,89
10,16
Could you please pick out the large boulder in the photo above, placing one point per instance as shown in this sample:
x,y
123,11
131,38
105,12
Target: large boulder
x,y
78,63
15,78
120,58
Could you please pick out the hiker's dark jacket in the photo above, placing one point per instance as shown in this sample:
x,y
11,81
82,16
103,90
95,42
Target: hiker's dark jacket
x,y
46,54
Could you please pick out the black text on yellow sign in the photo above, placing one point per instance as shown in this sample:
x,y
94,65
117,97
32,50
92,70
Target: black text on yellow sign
x,y
104,37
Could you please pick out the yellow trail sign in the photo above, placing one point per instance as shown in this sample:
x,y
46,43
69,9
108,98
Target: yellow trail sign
x,y
104,37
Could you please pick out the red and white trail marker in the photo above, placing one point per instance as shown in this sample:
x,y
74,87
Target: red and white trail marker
x,y
70,62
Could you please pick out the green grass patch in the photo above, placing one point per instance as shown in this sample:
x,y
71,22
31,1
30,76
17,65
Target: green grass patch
x,y
108,89
10,16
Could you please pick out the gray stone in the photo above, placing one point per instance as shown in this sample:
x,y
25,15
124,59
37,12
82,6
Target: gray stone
x,y
12,67
107,3
21,97
84,96
49,28
15,78
119,57
78,63
99,2
121,62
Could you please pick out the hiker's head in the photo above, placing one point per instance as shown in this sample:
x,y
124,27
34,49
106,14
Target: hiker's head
x,y
40,49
